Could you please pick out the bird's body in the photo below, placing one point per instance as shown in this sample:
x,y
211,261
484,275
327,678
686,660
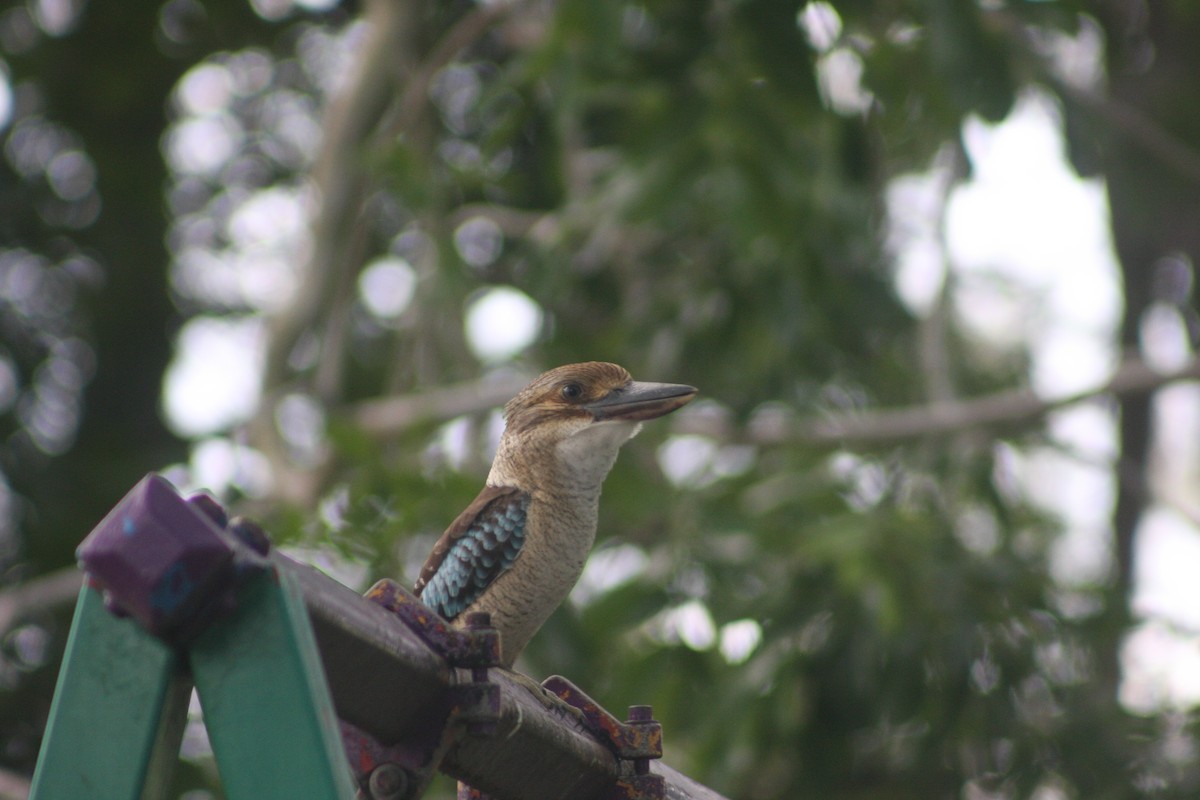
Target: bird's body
x,y
518,549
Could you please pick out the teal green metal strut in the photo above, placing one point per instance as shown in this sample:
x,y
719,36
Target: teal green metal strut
x,y
203,611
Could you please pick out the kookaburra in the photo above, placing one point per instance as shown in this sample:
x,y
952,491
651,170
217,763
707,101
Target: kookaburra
x,y
518,549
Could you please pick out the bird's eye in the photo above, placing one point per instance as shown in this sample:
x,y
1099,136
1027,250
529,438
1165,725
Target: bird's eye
x,y
572,391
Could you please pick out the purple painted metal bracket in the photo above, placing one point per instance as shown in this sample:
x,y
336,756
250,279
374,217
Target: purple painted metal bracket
x,y
403,770
474,647
398,771
168,562
385,772
637,740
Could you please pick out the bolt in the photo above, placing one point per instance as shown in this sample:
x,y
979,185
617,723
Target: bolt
x,y
479,621
251,534
640,715
209,507
483,655
114,606
387,782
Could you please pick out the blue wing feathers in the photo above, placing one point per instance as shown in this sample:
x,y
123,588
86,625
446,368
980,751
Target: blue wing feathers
x,y
480,546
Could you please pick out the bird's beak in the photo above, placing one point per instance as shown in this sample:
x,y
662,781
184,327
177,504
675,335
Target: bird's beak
x,y
639,401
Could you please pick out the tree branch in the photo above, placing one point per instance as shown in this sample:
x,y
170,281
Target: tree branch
x,y
514,222
1008,408
1135,126
1128,121
361,121
340,178
468,30
389,416
45,593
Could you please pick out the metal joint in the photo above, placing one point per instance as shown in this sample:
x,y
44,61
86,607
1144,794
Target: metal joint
x,y
398,772
636,741
477,646
473,703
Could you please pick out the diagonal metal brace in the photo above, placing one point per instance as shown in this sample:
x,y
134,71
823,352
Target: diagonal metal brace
x,y
635,741
403,770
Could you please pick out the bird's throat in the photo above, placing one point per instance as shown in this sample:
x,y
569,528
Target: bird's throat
x,y
585,458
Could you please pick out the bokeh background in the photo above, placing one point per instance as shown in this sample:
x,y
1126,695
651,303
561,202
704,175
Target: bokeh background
x,y
932,529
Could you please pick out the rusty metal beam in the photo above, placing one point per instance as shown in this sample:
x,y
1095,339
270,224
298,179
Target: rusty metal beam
x,y
387,682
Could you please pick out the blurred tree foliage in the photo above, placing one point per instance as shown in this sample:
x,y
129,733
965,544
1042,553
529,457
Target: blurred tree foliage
x,y
696,191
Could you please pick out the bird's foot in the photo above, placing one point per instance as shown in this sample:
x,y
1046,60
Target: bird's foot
x,y
547,698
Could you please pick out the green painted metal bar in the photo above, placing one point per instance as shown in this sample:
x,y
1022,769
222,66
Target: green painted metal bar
x,y
118,711
266,704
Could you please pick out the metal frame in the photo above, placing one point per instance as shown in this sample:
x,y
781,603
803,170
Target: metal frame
x,y
272,648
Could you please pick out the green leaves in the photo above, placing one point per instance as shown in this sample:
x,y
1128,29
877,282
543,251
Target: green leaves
x,y
696,191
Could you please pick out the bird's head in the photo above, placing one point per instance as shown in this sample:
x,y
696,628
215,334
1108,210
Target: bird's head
x,y
580,415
